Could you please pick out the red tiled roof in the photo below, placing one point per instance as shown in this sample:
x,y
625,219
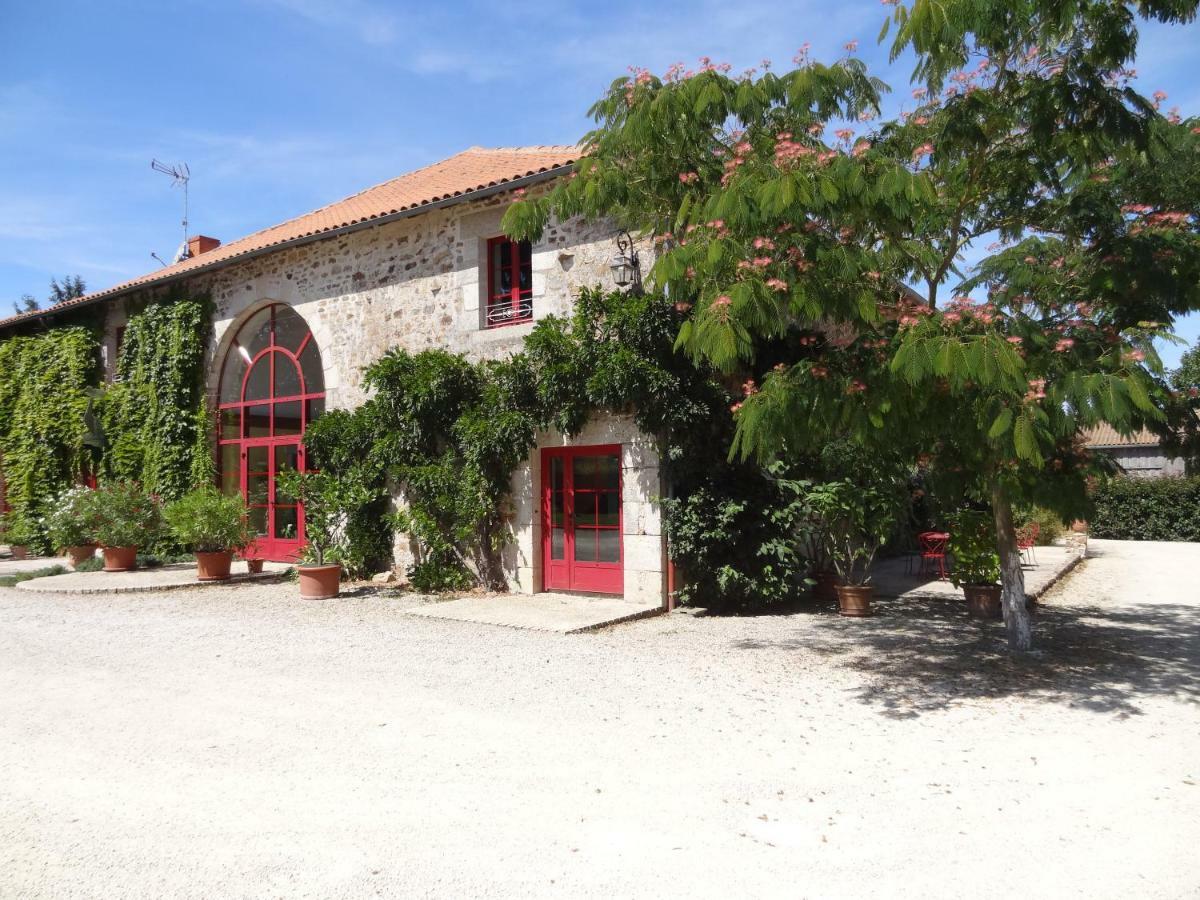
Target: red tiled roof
x,y
472,170
1106,436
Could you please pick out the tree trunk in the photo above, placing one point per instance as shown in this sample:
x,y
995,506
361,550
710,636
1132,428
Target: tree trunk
x,y
1012,579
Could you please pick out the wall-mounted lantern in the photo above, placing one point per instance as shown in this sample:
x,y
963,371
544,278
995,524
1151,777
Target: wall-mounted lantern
x,y
626,268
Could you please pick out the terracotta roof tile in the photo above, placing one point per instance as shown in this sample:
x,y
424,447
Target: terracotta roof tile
x,y
1105,435
472,170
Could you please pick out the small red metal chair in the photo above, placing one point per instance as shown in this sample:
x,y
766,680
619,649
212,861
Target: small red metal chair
x,y
933,552
1027,538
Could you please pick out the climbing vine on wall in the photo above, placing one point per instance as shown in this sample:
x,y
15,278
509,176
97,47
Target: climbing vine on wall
x,y
150,415
43,401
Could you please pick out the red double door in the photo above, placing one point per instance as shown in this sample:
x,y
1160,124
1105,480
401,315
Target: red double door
x,y
581,512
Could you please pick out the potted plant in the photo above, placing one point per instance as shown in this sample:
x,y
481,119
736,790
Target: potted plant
x,y
121,517
976,563
326,501
213,525
67,525
858,519
19,533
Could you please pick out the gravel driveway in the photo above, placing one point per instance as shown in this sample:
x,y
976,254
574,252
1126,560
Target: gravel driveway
x,y
238,743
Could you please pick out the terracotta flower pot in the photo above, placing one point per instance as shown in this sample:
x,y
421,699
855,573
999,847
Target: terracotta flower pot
x,y
825,589
254,566
854,599
214,566
320,582
120,559
79,553
983,600
19,552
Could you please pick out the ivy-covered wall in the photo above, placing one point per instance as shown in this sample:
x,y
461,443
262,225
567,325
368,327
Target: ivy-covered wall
x,y
154,419
44,396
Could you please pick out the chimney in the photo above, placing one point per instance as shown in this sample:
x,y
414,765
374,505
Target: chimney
x,y
201,244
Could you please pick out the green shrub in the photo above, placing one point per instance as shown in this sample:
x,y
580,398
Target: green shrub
x,y
121,514
66,518
19,531
1147,509
18,577
433,576
973,544
91,564
1050,524
208,521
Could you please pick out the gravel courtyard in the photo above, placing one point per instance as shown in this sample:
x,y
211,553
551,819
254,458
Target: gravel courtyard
x,y
236,742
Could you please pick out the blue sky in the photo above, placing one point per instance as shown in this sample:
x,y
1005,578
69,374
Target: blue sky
x,y
280,106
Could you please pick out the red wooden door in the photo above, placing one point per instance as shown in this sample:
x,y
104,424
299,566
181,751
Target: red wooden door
x,y
581,516
272,387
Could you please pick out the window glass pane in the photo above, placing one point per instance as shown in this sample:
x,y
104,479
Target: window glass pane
x,y
608,545
256,422
231,469
290,329
558,544
285,522
585,472
526,267
259,382
287,376
310,366
231,376
287,418
316,408
608,509
255,335
231,421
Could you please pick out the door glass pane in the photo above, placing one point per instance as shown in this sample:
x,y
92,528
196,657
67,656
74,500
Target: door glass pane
x,y
584,471
558,544
231,421
231,376
257,421
285,522
608,509
556,473
231,469
608,545
256,333
290,329
256,475
585,545
526,267
608,472
286,457
287,418
316,407
310,367
259,382
287,376
585,508
256,460
557,504
258,520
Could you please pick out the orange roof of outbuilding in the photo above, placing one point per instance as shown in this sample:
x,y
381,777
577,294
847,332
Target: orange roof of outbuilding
x,y
476,169
1104,435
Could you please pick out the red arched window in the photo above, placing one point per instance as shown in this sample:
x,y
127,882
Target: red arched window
x,y
272,387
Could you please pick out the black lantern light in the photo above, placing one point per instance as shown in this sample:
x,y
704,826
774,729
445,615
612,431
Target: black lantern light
x,y
626,268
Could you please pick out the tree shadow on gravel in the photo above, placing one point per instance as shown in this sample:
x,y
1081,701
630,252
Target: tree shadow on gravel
x,y
927,655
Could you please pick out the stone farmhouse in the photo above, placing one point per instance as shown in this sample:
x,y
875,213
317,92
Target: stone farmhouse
x,y
416,262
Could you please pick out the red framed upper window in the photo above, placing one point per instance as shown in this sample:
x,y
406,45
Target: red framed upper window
x,y
510,282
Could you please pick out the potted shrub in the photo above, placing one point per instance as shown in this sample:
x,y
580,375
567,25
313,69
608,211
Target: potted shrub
x,y
326,501
976,563
858,519
19,533
122,517
67,525
213,525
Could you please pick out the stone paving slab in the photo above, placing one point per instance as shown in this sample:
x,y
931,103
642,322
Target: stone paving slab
x,y
164,578
562,613
891,580
9,566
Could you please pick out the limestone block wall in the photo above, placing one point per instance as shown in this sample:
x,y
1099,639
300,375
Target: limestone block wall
x,y
643,546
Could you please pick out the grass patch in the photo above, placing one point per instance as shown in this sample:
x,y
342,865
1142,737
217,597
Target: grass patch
x,y
11,580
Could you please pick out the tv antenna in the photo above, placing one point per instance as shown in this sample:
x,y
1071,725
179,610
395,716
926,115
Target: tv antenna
x,y
180,175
